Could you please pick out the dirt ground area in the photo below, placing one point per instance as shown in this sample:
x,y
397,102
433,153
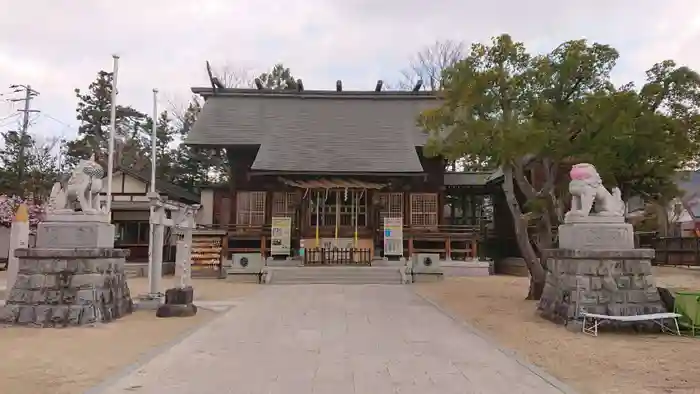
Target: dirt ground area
x,y
612,363
69,361
204,289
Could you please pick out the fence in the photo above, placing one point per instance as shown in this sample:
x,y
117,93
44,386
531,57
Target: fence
x,y
335,256
677,251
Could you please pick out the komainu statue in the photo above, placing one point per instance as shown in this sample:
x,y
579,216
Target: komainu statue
x,y
590,196
83,185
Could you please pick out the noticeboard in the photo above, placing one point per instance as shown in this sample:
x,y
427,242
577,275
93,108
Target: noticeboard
x,y
393,236
281,236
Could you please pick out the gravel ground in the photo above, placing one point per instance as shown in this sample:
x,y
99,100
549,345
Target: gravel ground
x,y
69,361
619,363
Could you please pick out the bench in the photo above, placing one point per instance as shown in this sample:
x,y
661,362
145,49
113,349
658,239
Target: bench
x,y
591,321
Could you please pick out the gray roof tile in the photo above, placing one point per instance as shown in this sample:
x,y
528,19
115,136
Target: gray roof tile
x,y
317,131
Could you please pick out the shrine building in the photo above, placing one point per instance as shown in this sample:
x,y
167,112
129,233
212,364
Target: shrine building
x,y
342,170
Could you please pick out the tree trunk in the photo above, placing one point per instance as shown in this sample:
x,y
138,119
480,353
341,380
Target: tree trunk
x,y
662,219
537,272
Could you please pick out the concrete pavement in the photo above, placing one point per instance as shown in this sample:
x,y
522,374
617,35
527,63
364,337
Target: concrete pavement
x,y
364,339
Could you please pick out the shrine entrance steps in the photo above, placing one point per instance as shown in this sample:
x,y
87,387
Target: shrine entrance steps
x,y
344,275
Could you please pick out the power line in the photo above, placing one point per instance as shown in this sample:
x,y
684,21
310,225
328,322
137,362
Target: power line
x,y
44,114
29,94
7,120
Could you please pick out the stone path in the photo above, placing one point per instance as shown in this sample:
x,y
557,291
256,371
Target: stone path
x,y
364,339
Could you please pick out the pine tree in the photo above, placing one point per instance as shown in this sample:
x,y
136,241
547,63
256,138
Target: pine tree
x,y
166,157
192,166
93,112
279,78
13,144
39,166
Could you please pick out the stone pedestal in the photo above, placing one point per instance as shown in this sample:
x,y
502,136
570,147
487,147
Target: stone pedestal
x,y
68,287
598,270
178,303
595,232
75,231
73,277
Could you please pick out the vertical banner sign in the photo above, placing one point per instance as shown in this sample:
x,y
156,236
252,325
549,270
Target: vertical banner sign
x,y
281,236
393,236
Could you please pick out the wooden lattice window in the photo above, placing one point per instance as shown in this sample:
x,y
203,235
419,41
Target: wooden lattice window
x,y
284,204
337,206
424,209
250,208
391,206
352,206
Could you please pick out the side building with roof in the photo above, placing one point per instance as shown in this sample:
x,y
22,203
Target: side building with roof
x,y
337,163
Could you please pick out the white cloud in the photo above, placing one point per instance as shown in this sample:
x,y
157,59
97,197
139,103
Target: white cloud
x,y
164,43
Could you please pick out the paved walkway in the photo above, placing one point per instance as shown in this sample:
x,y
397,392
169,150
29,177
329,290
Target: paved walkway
x,y
333,339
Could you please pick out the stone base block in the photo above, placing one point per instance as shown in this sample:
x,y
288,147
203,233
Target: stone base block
x,y
150,302
599,236
179,296
243,276
68,287
68,215
427,277
75,234
612,282
176,310
385,262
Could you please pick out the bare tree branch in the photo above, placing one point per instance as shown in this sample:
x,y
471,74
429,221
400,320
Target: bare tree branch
x,y
427,65
235,77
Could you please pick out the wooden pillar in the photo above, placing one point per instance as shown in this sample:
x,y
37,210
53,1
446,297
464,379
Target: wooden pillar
x,y
224,220
407,221
267,222
452,209
303,211
441,206
448,248
263,246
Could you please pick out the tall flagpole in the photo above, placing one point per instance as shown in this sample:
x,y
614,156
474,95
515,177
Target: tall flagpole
x,y
112,135
154,139
153,272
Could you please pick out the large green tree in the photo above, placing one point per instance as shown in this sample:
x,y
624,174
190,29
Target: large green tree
x,y
39,165
523,111
93,113
166,155
278,78
195,166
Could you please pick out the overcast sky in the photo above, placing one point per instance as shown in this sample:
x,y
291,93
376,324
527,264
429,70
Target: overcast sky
x,y
57,46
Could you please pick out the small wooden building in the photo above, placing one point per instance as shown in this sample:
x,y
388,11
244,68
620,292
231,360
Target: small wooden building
x,y
337,164
131,210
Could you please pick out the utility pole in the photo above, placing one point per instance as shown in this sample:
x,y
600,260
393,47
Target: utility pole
x,y
29,93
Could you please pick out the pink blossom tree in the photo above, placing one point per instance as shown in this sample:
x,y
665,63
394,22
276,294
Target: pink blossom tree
x,y
8,207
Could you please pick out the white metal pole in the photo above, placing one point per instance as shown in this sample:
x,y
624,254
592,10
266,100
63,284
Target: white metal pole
x,y
112,135
154,242
154,140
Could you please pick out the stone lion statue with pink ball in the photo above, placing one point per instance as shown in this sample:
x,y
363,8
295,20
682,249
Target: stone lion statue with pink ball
x,y
590,197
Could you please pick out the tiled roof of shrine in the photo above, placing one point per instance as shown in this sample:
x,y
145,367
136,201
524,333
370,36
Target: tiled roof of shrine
x,y
317,131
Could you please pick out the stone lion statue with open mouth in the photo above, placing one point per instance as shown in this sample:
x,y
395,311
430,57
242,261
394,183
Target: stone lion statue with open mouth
x,y
590,196
83,186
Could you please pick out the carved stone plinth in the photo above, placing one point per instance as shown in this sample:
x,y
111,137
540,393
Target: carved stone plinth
x,y
601,235
178,303
68,287
609,282
75,233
